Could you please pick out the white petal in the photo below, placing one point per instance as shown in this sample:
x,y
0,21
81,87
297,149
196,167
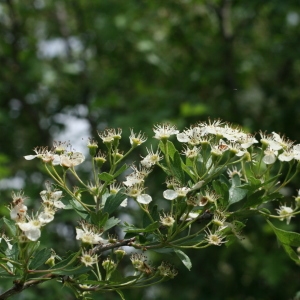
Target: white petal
x,y
33,234
198,185
144,199
58,204
269,159
30,157
182,137
79,233
45,217
170,194
124,203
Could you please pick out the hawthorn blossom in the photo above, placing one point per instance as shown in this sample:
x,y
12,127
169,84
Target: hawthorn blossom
x,y
43,153
285,212
89,234
32,228
270,156
152,158
88,259
136,139
18,209
69,160
215,238
51,197
177,192
167,219
164,131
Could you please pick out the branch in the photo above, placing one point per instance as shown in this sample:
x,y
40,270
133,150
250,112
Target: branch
x,y
102,248
19,286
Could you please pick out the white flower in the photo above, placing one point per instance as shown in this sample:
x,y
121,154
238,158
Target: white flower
x,y
18,212
136,139
51,197
47,215
152,158
31,229
164,131
69,160
88,259
285,212
215,238
177,192
89,234
43,153
287,155
270,156
144,199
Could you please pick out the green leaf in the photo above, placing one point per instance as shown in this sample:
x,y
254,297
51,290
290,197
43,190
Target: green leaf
x,y
286,237
176,167
40,258
11,225
254,199
195,240
236,193
120,294
114,201
120,171
150,228
184,259
170,146
288,240
99,218
111,223
78,208
106,177
291,253
221,189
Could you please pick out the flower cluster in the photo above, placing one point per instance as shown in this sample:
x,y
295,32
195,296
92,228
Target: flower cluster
x,y
31,226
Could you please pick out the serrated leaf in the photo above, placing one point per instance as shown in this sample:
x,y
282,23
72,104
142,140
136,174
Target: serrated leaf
x,y
40,258
170,146
184,258
106,177
111,223
99,218
114,201
176,167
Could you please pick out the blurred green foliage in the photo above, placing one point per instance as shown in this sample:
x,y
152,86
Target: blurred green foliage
x,y
135,63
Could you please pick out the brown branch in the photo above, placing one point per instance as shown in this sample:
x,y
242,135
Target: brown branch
x,y
101,248
19,286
